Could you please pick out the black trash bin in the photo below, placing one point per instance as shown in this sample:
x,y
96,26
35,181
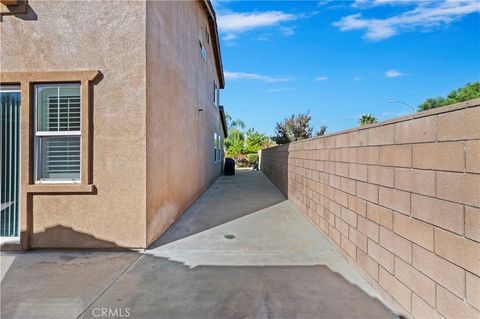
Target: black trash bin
x,y
229,166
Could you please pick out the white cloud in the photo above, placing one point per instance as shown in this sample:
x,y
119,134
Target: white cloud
x,y
288,31
321,78
356,79
393,74
229,37
360,3
264,37
239,22
373,3
323,2
230,24
276,90
425,16
252,76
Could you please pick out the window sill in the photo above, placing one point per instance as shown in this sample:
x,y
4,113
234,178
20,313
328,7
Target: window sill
x,y
60,188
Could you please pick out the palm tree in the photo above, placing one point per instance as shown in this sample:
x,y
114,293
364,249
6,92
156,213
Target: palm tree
x,y
367,118
231,123
235,142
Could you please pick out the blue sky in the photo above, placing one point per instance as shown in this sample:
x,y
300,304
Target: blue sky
x,y
341,59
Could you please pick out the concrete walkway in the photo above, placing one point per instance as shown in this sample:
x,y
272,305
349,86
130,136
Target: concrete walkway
x,y
240,251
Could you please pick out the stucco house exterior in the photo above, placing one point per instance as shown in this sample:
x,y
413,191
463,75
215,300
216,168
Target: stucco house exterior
x,y
111,122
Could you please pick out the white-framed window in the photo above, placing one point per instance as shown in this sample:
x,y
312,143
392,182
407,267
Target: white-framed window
x,y
219,149
215,147
214,93
203,51
57,132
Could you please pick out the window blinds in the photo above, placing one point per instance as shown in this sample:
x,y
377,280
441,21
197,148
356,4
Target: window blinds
x,y
58,132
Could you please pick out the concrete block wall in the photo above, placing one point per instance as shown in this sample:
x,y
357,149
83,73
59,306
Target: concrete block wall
x,y
400,200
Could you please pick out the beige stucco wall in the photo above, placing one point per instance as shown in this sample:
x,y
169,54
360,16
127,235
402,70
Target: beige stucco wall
x,y
153,150
108,36
400,200
179,137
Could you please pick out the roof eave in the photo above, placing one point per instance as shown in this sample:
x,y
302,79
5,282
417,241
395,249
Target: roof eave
x,y
212,24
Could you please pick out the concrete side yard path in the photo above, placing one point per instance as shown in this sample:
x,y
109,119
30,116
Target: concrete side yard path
x,y
240,251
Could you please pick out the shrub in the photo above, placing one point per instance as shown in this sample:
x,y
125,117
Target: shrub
x,y
252,158
468,92
242,161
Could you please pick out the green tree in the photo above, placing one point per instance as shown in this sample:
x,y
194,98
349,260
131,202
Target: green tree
x,y
367,118
294,128
255,141
432,103
468,92
234,143
240,141
321,131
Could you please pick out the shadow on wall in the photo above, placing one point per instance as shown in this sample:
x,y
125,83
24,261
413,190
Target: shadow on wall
x,y
66,237
22,10
91,143
275,163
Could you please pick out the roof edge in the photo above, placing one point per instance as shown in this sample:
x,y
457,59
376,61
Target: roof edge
x,y
212,24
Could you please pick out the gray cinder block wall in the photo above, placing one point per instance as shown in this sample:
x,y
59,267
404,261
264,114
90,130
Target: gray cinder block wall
x,y
400,201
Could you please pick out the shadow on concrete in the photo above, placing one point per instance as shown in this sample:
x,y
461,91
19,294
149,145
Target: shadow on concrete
x,y
229,198
72,284
46,284
57,284
158,288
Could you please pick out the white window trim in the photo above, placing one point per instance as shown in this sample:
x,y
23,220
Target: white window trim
x,y
60,133
10,88
218,157
214,147
47,133
215,87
